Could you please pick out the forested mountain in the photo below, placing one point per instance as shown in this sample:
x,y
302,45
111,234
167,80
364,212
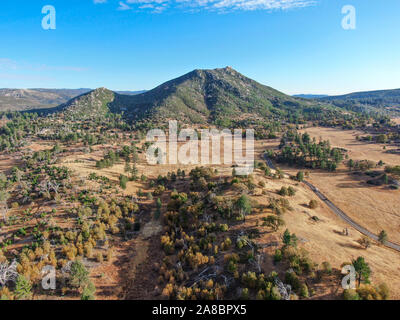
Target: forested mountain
x,y
201,96
218,95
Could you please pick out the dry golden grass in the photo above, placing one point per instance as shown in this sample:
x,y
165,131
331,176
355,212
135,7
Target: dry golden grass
x,y
376,208
357,150
373,207
396,120
323,239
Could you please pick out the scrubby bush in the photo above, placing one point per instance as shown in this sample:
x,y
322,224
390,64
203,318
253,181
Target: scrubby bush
x,y
326,267
304,291
23,288
350,294
292,279
313,204
88,291
277,256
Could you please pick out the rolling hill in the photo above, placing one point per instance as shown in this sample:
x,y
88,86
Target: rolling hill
x,y
386,101
27,99
310,96
32,99
88,105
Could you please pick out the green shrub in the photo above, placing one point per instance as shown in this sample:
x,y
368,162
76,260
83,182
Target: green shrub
x,y
79,276
326,267
304,291
292,279
350,294
245,294
277,256
291,191
123,181
283,191
313,204
88,292
23,288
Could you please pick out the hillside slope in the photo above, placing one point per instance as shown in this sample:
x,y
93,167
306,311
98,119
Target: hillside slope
x,y
93,104
375,101
28,99
218,95
35,99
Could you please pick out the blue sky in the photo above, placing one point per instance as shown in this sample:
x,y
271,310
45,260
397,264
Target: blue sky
x,y
296,46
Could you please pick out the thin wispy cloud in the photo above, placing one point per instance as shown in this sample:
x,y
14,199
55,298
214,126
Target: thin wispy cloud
x,y
24,77
7,64
123,6
211,5
12,65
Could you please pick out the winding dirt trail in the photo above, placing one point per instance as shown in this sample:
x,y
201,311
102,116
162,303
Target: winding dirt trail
x,y
141,257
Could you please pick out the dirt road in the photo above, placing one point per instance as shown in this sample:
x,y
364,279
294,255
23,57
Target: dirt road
x,y
339,212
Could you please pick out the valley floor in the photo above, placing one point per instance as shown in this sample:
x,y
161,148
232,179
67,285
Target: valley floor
x,y
131,275
372,207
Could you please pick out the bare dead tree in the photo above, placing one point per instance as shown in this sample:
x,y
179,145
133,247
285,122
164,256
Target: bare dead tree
x,y
8,272
44,187
25,186
259,258
227,280
284,290
65,271
244,239
53,185
4,210
53,160
67,268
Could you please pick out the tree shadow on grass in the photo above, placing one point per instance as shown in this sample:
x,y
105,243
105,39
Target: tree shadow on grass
x,y
351,246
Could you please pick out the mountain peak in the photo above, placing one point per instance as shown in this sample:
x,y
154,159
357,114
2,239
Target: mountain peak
x,y
89,105
229,69
218,96
207,95
102,89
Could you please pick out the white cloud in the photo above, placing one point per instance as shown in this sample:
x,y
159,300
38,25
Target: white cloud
x,y
123,6
214,5
12,65
6,63
158,6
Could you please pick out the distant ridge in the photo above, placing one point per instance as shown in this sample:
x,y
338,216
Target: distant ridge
x,y
39,98
310,96
386,101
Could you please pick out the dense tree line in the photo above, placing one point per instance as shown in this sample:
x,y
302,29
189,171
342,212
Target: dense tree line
x,y
301,150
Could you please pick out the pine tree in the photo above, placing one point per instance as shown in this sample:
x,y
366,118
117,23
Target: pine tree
x,y
23,288
362,269
382,238
244,206
286,237
300,176
79,276
127,167
88,291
